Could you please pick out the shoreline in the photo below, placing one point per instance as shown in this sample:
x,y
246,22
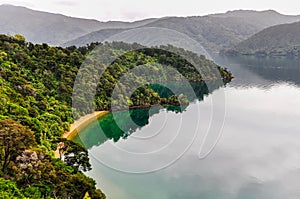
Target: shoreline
x,y
80,124
84,121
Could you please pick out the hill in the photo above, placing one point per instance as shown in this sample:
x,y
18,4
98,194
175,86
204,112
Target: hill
x,y
35,85
212,32
280,40
147,36
53,29
36,89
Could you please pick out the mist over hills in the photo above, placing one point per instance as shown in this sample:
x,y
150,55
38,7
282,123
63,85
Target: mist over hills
x,y
260,19
54,29
205,33
280,40
213,32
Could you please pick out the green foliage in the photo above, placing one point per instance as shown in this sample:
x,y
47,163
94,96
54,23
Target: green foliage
x,y
14,139
32,192
96,194
74,154
36,87
159,61
9,189
20,38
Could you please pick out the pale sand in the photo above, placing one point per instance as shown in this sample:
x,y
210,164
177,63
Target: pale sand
x,y
79,124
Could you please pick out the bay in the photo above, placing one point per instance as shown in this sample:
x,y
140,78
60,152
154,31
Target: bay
x,y
238,141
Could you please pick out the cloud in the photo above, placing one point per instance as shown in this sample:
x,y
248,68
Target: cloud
x,y
19,3
66,3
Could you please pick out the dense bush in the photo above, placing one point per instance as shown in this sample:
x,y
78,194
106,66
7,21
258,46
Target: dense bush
x,y
36,86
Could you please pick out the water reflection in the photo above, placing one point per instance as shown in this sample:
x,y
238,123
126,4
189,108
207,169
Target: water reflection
x,y
112,130
261,72
257,156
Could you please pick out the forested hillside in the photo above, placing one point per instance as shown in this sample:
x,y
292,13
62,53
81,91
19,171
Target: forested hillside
x,y
213,32
36,86
281,40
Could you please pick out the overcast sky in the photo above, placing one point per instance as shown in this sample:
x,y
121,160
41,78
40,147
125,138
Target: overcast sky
x,y
129,10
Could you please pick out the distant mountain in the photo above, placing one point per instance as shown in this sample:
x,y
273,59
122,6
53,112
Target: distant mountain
x,y
147,36
260,19
54,29
100,35
213,32
280,40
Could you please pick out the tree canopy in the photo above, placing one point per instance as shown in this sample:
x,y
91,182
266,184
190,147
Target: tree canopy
x,y
36,88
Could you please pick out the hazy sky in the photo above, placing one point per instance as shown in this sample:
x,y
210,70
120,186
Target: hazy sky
x,y
130,10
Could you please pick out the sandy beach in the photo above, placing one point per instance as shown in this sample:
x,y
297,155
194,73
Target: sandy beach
x,y
79,125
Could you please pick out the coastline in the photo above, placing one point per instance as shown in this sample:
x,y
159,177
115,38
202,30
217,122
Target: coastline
x,y
84,121
80,124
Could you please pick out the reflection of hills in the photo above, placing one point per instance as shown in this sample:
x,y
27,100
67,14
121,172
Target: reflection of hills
x,y
198,91
122,124
261,72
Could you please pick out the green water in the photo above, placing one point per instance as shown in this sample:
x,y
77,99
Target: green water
x,y
121,124
154,153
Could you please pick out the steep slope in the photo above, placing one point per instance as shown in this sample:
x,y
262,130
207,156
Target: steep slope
x,y
147,36
280,40
35,86
37,91
213,32
53,29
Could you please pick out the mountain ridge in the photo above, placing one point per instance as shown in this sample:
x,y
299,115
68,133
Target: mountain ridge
x,y
52,28
212,32
280,40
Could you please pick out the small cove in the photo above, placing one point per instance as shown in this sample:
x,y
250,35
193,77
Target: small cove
x,y
256,155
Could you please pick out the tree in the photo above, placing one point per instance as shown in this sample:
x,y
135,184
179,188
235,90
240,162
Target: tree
x,y
96,194
9,189
72,184
14,139
33,168
20,38
73,154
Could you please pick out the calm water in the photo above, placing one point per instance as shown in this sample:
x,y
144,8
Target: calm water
x,y
240,141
